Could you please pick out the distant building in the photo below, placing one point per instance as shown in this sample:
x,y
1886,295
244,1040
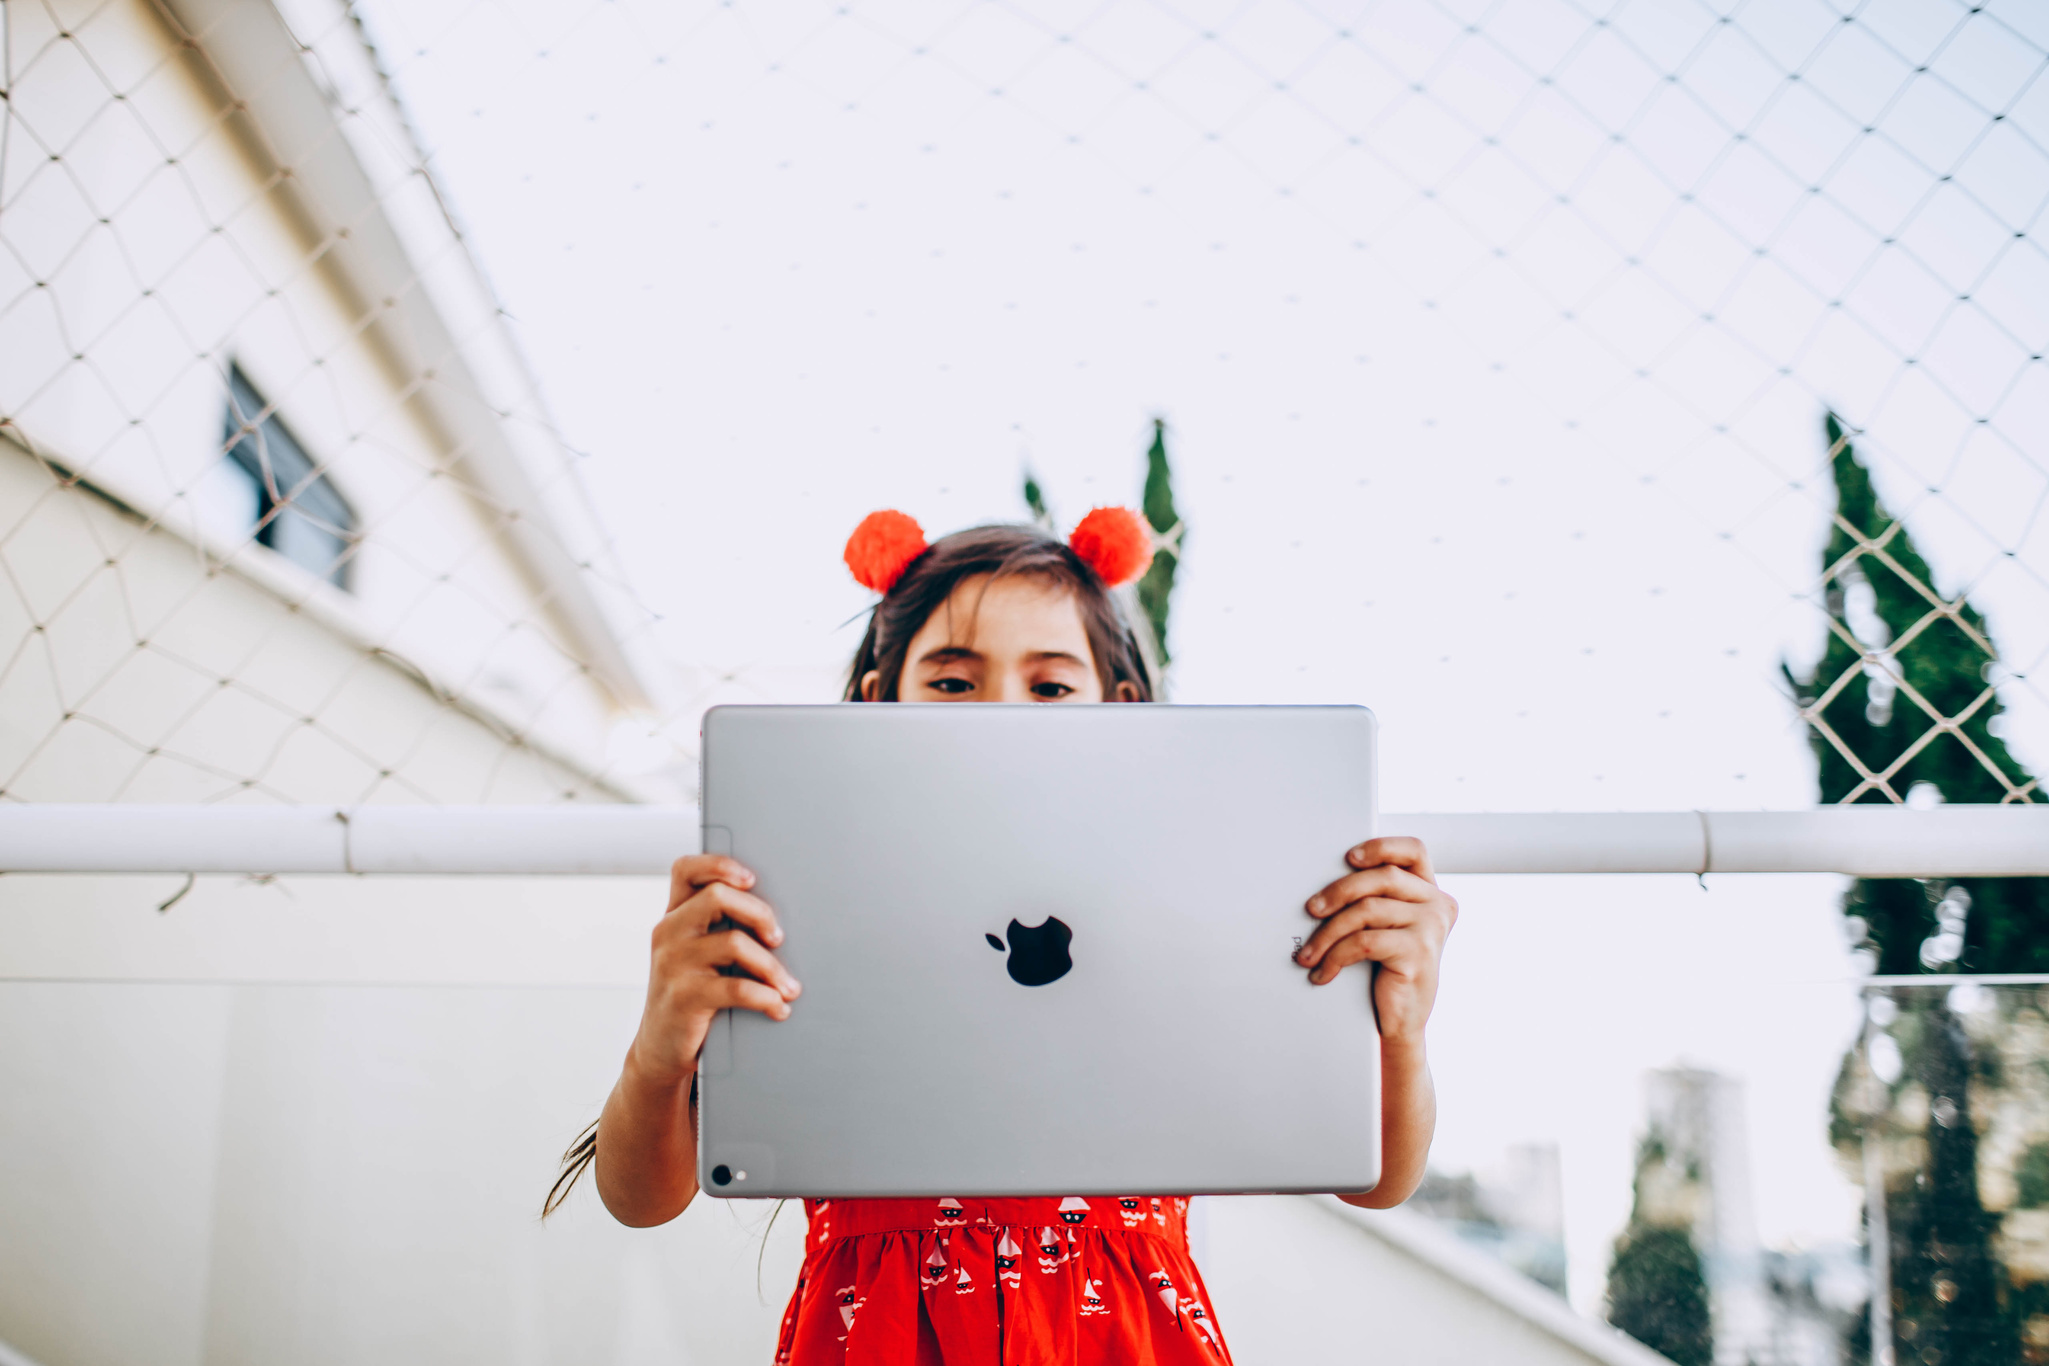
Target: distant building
x,y
1768,1308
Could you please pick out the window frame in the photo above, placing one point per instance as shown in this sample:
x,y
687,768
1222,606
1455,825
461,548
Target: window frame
x,y
292,489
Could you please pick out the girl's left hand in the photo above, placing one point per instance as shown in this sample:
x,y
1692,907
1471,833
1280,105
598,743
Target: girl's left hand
x,y
1390,912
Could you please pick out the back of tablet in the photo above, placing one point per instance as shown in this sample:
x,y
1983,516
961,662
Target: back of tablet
x,y
1044,949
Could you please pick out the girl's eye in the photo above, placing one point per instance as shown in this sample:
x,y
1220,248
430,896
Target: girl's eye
x,y
951,685
1051,691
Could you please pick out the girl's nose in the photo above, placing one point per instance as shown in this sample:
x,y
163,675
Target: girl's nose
x,y
1004,686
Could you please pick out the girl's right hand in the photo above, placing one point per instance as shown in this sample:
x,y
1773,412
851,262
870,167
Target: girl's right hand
x,y
713,922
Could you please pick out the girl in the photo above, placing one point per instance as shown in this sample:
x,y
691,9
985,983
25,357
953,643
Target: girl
x,y
994,614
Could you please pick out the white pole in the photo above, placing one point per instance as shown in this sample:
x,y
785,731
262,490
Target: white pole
x,y
1877,1234
1864,841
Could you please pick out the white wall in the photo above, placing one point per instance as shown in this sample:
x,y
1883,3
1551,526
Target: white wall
x,y
198,1171
261,1174
328,1174
133,669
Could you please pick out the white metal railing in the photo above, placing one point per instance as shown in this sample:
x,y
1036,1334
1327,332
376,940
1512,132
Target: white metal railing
x,y
1864,841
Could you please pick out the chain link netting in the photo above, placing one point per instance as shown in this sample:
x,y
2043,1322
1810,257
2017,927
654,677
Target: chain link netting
x,y
286,518
283,517
1636,365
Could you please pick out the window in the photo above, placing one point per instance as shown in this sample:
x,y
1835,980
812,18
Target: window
x,y
291,506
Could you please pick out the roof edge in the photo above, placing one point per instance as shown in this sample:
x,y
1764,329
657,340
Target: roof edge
x,y
1416,1237
419,295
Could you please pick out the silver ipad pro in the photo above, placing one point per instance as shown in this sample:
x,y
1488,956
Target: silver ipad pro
x,y
1045,950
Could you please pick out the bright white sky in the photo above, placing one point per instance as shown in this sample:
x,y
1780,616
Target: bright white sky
x,y
1470,342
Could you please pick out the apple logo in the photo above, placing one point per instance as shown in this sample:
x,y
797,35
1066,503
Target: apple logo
x,y
1038,953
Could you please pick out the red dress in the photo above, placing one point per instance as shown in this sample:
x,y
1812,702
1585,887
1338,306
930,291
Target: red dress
x,y
1021,1282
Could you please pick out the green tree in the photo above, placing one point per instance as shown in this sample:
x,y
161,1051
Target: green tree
x,y
1657,1288
1947,1282
1658,1295
2031,1178
1901,660
1951,1301
1903,695
1035,500
1157,587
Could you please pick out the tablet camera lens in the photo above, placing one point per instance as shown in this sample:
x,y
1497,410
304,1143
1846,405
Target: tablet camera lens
x,y
721,1175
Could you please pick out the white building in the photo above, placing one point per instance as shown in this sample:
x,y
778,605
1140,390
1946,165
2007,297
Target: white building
x,y
282,519
1769,1308
215,219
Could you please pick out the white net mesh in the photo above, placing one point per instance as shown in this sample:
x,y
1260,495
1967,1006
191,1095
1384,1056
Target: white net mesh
x,y
1495,344
1569,290
283,517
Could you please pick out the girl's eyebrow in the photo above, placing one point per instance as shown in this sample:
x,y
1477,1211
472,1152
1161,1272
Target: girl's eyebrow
x,y
954,654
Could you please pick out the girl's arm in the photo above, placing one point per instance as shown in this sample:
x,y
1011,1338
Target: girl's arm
x,y
1392,913
647,1136
1408,1118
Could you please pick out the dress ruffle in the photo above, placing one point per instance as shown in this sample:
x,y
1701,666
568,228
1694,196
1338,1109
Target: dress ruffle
x,y
1022,1282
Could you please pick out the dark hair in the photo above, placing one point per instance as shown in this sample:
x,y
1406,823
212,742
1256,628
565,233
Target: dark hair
x,y
577,1161
1000,552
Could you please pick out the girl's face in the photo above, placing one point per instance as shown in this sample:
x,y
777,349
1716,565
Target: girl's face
x,y
1012,639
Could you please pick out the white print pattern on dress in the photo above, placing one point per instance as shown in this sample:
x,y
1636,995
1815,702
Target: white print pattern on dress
x,y
951,1215
935,1265
1074,1209
1051,1253
849,1302
1128,1207
1092,1298
964,1284
1168,1295
1007,1253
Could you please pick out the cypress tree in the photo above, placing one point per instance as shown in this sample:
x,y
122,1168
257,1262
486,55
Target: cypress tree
x,y
1657,1294
1892,639
1157,587
1035,500
1657,1288
1902,696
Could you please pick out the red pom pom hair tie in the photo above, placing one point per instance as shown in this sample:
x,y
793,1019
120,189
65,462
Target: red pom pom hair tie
x,y
882,548
1115,542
